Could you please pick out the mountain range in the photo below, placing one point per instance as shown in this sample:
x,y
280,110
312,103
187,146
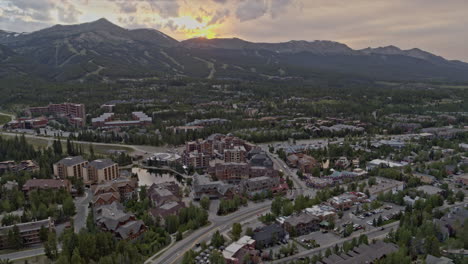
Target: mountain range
x,y
101,50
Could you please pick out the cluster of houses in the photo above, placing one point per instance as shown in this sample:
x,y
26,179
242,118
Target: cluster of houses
x,y
15,167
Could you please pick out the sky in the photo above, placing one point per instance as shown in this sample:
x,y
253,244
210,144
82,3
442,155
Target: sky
x,y
437,26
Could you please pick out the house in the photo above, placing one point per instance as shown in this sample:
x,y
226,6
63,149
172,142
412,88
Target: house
x,y
106,198
70,167
235,252
303,162
29,232
100,171
342,163
25,165
46,184
166,209
385,185
462,179
162,193
425,178
268,235
124,186
204,186
112,218
449,223
301,224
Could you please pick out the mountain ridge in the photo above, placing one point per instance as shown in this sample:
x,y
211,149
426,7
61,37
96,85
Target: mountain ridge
x,y
100,49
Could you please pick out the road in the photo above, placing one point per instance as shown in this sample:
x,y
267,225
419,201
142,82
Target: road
x,y
221,223
374,233
82,210
224,223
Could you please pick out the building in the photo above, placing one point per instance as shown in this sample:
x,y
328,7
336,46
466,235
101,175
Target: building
x,y
107,120
258,185
75,113
12,166
342,163
235,172
378,163
346,200
316,182
267,236
323,212
165,210
70,167
196,160
112,218
462,179
29,232
100,171
28,123
163,159
260,160
301,224
46,184
425,178
106,198
235,154
162,193
204,186
235,252
125,187
304,163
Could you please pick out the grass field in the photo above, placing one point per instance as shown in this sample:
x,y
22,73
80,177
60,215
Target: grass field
x,y
33,260
103,150
4,119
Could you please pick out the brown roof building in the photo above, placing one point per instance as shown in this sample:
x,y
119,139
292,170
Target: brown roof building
x,y
46,184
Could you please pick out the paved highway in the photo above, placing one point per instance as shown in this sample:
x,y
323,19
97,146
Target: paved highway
x,y
221,223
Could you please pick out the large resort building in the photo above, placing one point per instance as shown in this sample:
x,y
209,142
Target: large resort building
x,y
74,113
70,167
97,171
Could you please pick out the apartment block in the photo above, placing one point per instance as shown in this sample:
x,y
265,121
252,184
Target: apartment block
x,y
70,167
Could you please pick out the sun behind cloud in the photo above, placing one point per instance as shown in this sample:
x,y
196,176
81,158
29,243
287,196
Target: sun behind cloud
x,y
192,27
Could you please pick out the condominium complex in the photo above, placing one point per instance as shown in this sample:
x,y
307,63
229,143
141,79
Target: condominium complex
x,y
99,171
70,167
75,113
29,232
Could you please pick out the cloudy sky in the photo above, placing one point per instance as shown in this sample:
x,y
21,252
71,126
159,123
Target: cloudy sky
x,y
438,26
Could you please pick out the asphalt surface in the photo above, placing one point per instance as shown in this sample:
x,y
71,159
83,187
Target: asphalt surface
x,y
82,210
221,223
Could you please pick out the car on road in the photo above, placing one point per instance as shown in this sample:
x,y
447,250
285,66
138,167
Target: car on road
x,y
370,223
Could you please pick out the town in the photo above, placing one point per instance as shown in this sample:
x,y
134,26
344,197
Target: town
x,y
91,184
